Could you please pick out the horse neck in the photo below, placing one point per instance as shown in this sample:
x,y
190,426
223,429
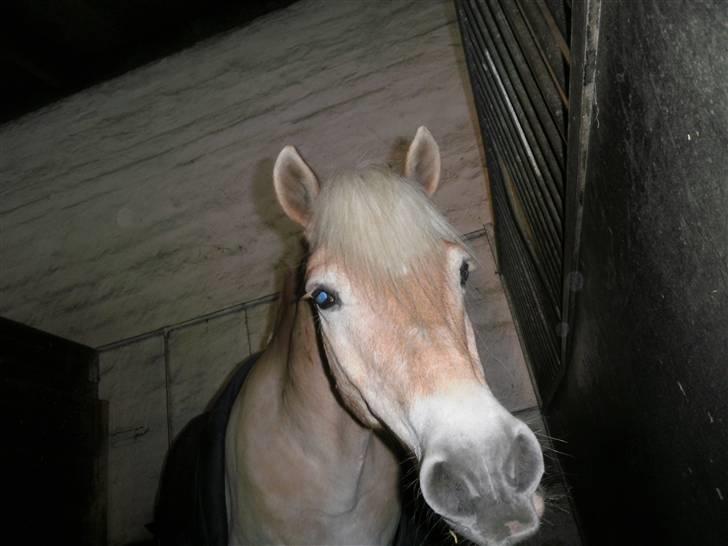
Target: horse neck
x,y
329,474
312,413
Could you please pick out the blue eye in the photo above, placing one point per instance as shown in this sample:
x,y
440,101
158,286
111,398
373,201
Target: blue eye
x,y
323,299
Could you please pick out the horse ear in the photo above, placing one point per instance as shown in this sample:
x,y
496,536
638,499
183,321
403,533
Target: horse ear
x,y
295,184
423,161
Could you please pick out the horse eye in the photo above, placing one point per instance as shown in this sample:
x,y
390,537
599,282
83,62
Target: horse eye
x,y
323,299
464,273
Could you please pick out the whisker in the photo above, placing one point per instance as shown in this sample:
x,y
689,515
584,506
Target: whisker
x,y
554,450
547,521
560,508
548,436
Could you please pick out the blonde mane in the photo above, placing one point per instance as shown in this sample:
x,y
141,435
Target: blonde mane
x,y
379,226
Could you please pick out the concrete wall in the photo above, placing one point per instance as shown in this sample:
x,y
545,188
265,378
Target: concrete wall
x,y
146,201
139,217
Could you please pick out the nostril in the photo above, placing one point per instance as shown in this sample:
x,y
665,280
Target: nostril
x,y
524,465
446,491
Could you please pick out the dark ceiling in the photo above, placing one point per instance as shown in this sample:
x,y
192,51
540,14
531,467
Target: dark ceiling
x,y
53,48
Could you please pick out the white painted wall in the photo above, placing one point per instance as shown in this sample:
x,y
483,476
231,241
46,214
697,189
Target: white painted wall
x,y
146,200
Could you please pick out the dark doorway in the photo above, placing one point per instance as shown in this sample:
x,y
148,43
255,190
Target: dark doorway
x,y
54,439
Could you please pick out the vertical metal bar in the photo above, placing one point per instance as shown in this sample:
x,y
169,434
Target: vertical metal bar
x,y
504,143
517,116
544,59
542,144
520,100
556,33
537,209
515,71
586,16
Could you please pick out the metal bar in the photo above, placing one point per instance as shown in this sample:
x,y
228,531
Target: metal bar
x,y
527,156
515,69
528,230
555,31
552,74
508,149
540,144
586,19
521,165
532,150
551,255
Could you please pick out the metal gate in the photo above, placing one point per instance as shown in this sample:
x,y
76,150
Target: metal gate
x,y
518,57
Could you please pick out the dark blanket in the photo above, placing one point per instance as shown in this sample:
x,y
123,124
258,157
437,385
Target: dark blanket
x,y
190,507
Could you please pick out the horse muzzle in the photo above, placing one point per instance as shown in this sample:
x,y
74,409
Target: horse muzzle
x,y
486,489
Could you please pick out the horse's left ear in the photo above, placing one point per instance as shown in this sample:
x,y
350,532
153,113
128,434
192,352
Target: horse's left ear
x,y
423,161
295,184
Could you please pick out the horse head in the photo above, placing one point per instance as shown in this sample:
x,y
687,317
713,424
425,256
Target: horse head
x,y
387,276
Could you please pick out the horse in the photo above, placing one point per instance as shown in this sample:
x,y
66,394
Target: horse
x,y
373,352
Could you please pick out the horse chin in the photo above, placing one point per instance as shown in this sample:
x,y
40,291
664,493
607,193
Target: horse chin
x,y
500,520
514,522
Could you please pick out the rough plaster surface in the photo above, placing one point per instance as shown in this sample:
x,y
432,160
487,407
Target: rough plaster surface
x,y
132,379
147,200
201,358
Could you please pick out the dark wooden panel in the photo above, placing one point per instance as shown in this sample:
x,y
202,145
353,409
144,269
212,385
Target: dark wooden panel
x,y
644,404
33,356
54,440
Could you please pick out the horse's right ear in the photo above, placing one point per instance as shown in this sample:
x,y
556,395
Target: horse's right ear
x,y
423,161
295,184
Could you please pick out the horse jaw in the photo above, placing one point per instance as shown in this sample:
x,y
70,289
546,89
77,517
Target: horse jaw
x,y
423,381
